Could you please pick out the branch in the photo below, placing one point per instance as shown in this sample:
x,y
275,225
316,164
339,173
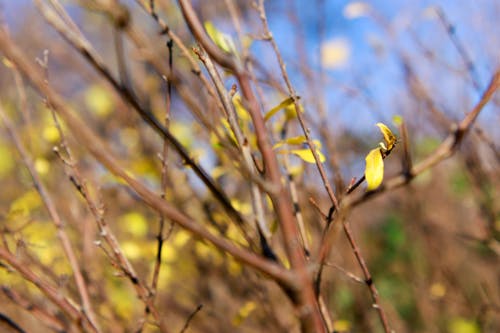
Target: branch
x,y
87,138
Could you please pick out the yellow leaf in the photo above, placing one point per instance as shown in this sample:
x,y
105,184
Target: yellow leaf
x,y
6,160
51,134
341,325
374,172
397,120
437,290
99,101
463,325
389,138
26,203
135,223
244,312
307,155
42,166
278,107
220,39
240,109
296,140
180,238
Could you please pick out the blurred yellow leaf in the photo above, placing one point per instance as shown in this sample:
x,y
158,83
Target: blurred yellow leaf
x,y
42,166
282,105
437,290
374,172
389,138
99,101
335,53
222,40
121,297
182,132
244,312
397,119
180,238
23,205
132,250
168,253
240,109
135,223
6,160
356,9
51,134
341,325
462,325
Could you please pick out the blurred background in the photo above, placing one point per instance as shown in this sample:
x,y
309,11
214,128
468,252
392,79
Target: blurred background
x,y
432,246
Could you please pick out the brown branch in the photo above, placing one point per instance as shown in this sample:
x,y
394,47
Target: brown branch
x,y
99,150
304,298
63,303
88,312
84,47
445,150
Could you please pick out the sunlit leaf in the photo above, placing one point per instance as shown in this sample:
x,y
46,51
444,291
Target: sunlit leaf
x,y
307,156
389,138
222,40
335,53
296,140
374,172
287,102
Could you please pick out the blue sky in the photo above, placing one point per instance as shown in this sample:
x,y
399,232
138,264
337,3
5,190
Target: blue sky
x,y
376,73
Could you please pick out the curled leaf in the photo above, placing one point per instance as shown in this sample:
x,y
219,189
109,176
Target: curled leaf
x,y
287,102
389,138
374,172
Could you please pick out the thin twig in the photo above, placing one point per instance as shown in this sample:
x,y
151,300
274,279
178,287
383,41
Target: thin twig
x,y
87,313
191,316
86,137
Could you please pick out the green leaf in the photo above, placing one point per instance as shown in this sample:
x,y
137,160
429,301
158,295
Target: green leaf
x,y
287,102
389,138
374,172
